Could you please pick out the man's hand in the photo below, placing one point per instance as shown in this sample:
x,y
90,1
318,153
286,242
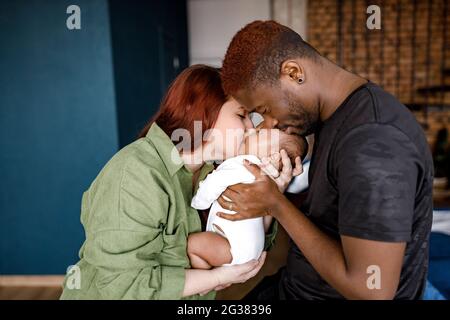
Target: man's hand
x,y
250,200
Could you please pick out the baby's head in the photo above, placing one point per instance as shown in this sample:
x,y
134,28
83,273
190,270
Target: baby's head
x,y
264,143
294,145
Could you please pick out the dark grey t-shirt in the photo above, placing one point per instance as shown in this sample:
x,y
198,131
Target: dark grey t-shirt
x,y
371,177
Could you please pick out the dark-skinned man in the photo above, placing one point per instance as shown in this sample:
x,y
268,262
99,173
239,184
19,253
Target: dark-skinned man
x,y
368,212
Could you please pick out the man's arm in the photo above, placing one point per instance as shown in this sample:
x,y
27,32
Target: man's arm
x,y
343,265
346,265
377,169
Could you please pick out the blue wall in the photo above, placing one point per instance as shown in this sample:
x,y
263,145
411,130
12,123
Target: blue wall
x,y
146,37
58,127
69,99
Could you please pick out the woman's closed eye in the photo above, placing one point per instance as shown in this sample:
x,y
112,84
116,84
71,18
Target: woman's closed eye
x,y
243,114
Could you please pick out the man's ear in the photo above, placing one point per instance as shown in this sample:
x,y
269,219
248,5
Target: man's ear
x,y
293,70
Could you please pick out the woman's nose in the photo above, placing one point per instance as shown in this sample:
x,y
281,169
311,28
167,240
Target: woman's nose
x,y
248,123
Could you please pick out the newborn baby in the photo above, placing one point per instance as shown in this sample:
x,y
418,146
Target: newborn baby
x,y
234,242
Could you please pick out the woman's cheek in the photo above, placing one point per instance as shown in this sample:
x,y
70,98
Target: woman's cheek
x,y
233,143
240,140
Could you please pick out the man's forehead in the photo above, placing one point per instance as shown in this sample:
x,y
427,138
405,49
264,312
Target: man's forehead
x,y
249,99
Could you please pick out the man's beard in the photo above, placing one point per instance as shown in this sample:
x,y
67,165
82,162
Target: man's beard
x,y
305,121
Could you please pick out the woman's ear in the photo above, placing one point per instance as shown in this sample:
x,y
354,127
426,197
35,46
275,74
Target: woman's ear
x,y
293,70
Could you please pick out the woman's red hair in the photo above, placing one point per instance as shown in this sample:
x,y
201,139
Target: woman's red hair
x,y
195,95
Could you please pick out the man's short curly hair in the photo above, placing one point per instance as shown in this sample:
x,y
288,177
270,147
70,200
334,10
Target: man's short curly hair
x,y
256,53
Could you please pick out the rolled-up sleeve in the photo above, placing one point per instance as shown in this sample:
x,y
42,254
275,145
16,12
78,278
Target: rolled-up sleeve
x,y
271,235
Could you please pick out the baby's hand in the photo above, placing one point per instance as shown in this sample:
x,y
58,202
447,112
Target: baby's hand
x,y
283,177
271,165
275,160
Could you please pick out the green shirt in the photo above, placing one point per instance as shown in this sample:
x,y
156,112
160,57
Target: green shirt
x,y
137,217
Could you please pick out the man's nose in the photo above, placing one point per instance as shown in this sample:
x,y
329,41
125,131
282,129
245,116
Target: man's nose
x,y
269,123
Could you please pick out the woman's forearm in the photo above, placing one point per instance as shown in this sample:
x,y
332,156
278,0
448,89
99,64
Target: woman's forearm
x,y
198,281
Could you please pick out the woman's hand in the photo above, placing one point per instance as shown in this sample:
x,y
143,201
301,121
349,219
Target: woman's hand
x,y
239,273
218,288
282,178
199,281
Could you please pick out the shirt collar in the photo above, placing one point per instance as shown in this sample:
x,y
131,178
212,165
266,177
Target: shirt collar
x,y
165,148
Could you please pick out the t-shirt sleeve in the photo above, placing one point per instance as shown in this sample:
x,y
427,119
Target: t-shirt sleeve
x,y
377,169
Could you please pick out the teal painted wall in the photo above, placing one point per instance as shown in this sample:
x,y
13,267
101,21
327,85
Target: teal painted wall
x,y
60,119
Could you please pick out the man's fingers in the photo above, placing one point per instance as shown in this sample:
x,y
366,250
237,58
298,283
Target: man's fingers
x,y
237,187
253,168
228,200
224,203
230,195
231,217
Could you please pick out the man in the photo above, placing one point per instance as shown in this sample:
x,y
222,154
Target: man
x,y
363,231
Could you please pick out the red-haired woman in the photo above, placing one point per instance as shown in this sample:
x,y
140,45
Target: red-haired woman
x,y
137,214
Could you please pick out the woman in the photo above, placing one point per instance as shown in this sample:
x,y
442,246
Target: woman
x,y
137,214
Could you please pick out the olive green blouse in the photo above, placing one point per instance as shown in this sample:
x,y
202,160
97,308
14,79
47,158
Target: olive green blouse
x,y
137,217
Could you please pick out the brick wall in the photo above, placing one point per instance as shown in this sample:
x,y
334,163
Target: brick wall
x,y
393,57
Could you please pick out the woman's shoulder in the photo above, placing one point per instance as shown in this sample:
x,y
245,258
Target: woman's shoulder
x,y
134,178
139,153
139,158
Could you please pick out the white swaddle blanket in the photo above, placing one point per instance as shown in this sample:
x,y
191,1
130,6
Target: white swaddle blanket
x,y
246,237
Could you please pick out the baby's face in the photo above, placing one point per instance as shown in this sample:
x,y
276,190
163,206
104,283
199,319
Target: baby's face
x,y
267,143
